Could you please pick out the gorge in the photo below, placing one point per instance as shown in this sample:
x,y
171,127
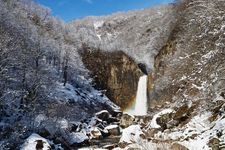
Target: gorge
x,y
150,79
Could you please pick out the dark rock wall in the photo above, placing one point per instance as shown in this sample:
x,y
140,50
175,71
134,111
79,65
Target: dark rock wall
x,y
114,72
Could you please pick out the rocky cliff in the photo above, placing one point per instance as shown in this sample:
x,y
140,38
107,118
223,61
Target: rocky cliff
x,y
138,35
187,67
114,72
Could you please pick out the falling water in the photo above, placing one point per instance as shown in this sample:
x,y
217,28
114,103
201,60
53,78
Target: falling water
x,y
140,107
141,97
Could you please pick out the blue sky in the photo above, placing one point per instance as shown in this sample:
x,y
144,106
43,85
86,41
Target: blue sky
x,y
72,9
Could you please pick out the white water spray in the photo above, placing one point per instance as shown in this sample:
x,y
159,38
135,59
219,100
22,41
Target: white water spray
x,y
140,108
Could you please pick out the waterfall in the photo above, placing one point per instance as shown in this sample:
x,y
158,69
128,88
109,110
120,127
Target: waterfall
x,y
141,97
140,107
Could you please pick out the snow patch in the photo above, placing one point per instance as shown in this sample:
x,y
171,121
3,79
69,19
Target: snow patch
x,y
131,134
31,142
111,127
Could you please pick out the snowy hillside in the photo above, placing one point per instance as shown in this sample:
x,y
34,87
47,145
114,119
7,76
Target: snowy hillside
x,y
139,33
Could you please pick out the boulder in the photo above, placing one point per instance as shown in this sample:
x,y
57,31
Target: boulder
x,y
160,119
142,120
176,146
105,133
95,133
181,111
126,120
214,144
35,141
103,115
123,145
151,132
164,119
116,113
113,130
111,120
132,134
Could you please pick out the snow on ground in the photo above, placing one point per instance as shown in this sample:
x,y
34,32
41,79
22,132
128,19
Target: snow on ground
x,y
69,93
33,141
198,125
196,134
131,134
65,92
153,123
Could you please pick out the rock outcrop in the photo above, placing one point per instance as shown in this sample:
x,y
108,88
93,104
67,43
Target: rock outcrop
x,y
114,72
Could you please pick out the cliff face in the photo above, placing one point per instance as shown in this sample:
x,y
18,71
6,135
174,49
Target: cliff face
x,y
114,72
139,35
190,65
186,87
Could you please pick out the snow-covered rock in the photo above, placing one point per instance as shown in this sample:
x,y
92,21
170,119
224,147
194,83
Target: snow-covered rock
x,y
113,129
126,120
95,133
77,138
103,115
34,142
153,123
132,134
